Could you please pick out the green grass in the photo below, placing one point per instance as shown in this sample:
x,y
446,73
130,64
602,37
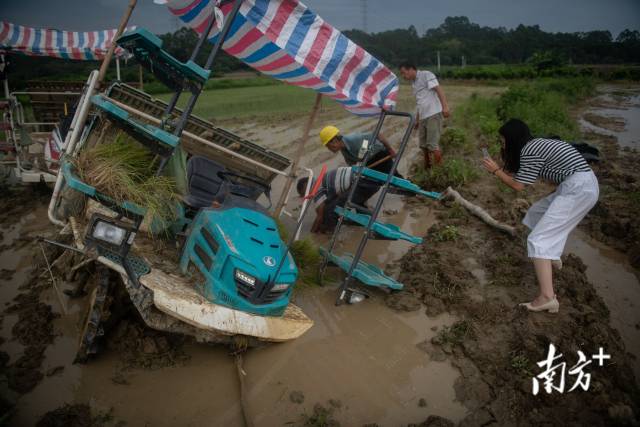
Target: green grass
x,y
156,87
251,101
544,105
529,71
453,172
307,258
521,364
447,234
479,117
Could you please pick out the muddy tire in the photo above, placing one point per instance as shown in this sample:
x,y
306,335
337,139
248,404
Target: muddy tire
x,y
91,328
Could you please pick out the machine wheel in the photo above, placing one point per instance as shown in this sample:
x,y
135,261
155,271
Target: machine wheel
x,y
91,329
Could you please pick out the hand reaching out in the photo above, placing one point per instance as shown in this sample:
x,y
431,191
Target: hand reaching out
x,y
490,165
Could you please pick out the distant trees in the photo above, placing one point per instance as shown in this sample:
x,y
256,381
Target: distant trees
x,y
457,36
180,44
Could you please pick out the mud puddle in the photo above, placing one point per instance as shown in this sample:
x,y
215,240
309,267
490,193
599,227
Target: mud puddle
x,y
615,112
16,266
364,357
617,284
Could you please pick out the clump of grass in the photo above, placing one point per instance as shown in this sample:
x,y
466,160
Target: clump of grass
x,y
453,172
454,137
307,258
520,363
454,334
456,212
125,171
322,416
447,233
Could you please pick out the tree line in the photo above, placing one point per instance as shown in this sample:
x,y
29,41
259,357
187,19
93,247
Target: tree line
x,y
458,36
454,38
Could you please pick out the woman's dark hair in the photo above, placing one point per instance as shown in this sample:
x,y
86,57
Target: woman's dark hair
x,y
301,186
516,134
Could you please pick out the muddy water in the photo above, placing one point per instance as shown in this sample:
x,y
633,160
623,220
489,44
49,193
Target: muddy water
x,y
364,356
609,270
622,105
360,356
18,263
617,284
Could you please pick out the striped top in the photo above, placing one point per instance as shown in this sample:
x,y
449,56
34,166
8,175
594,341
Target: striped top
x,y
84,46
549,159
286,40
334,184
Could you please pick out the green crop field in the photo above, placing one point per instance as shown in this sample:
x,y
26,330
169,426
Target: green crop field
x,y
250,101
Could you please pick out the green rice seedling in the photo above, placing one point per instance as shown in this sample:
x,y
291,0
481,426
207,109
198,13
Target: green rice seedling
x,y
125,171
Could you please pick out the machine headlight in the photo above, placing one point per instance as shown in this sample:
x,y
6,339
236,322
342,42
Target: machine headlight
x,y
245,278
109,233
281,287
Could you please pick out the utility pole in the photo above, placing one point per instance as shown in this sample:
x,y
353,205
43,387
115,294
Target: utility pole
x,y
438,61
112,48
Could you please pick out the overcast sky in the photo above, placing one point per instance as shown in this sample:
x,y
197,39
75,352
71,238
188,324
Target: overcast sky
x,y
551,15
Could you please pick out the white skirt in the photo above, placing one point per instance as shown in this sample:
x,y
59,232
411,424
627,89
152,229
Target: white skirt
x,y
552,219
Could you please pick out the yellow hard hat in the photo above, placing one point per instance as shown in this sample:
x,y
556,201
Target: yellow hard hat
x,y
328,133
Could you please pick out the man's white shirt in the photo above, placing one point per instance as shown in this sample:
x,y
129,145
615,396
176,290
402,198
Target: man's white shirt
x,y
428,103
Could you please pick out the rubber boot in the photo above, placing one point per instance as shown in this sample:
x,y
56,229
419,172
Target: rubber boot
x,y
427,160
437,157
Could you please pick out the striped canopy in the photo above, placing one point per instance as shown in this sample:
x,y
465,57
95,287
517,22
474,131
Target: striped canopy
x,y
286,40
87,46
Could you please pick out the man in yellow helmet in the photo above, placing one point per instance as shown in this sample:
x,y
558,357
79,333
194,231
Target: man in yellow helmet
x,y
381,158
349,145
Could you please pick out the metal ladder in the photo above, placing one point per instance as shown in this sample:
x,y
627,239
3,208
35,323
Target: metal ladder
x,y
355,268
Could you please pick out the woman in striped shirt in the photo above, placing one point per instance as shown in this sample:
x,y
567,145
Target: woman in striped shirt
x,y
552,218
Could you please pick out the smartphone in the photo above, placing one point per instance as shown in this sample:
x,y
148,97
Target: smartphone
x,y
485,153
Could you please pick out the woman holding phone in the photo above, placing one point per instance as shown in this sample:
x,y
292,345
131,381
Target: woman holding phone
x,y
551,219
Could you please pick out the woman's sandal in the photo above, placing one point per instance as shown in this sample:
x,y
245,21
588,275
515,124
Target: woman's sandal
x,y
552,306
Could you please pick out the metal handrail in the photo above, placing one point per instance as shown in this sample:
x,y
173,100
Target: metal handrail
x,y
77,124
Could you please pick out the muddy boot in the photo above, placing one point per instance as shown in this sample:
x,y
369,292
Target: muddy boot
x,y
437,157
427,160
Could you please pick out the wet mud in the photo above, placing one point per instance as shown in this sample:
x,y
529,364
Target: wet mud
x,y
452,349
480,275
615,220
495,343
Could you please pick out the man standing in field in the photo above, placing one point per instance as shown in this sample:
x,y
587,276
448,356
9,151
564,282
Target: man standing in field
x,y
431,107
